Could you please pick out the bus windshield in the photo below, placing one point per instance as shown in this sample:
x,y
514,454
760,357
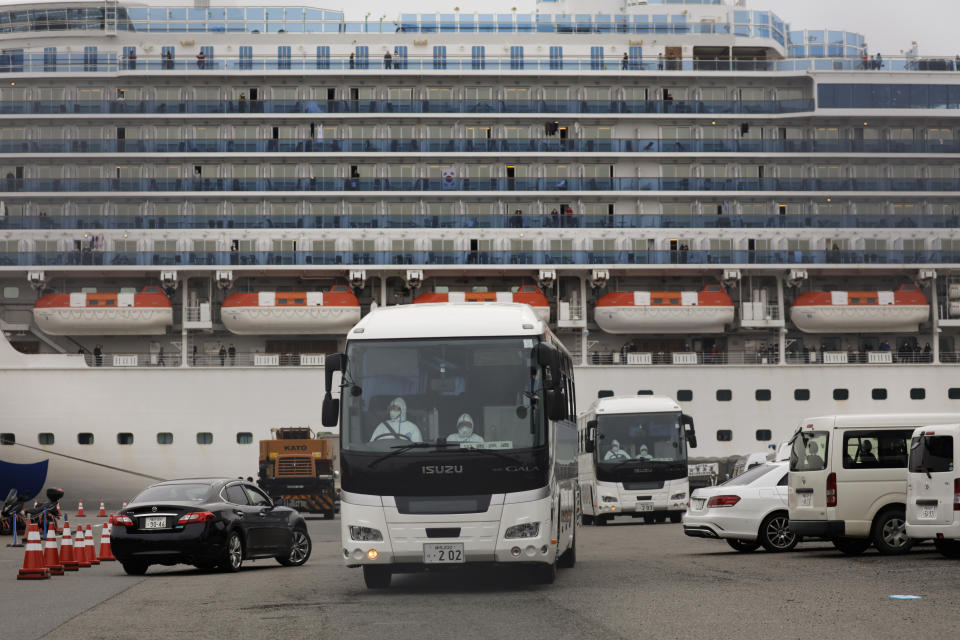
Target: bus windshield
x,y
450,393
656,437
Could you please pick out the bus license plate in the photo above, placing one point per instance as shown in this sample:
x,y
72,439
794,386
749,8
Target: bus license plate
x,y
928,513
154,523
644,506
806,499
449,553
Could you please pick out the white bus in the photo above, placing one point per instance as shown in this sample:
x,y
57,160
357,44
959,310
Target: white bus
x,y
457,443
633,459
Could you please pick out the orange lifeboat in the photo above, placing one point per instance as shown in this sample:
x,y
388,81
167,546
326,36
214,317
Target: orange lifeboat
x,y
291,312
104,314
861,311
527,294
704,311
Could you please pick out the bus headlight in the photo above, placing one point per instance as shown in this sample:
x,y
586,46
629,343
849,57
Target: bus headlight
x,y
525,530
365,534
679,496
609,498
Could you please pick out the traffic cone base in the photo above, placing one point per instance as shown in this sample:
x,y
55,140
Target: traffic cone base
x,y
102,513
106,554
33,568
51,557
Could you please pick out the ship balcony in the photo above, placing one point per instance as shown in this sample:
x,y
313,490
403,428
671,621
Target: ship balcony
x,y
759,315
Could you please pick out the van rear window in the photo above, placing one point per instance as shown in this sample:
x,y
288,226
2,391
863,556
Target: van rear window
x,y
933,454
876,449
808,451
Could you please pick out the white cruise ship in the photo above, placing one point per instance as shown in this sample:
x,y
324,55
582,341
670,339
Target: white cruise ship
x,y
756,217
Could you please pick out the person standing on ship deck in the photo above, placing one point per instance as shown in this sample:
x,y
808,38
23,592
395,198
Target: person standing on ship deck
x,y
232,351
223,355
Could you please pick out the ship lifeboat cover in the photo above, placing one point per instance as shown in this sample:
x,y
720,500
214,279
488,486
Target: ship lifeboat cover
x,y
291,312
704,311
901,310
103,314
526,294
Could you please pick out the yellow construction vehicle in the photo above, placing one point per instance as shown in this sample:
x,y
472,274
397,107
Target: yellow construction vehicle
x,y
297,470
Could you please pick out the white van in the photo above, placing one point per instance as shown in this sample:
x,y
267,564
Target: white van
x,y
933,487
848,479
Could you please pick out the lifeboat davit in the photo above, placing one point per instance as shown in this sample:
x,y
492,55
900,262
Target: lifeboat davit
x,y
861,311
704,311
291,312
104,314
527,294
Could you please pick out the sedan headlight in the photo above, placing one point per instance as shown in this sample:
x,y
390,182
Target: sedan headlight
x,y
365,534
525,530
679,496
609,498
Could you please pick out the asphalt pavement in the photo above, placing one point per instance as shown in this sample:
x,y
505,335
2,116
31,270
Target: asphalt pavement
x,y
631,581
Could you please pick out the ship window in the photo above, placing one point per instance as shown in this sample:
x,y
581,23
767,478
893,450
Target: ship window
x,y
658,301
644,392
244,437
801,394
841,394
8,438
674,300
281,301
854,300
11,292
871,301
763,395
299,301
953,393
764,435
879,394
124,438
724,435
724,395
685,395
204,437
164,437
109,303
45,438
84,438
918,393
93,303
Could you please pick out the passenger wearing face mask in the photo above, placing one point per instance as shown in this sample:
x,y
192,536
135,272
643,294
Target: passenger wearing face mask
x,y
464,433
396,426
616,453
644,454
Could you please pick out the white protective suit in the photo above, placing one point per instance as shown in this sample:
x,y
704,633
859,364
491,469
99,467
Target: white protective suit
x,y
616,453
397,422
465,432
644,454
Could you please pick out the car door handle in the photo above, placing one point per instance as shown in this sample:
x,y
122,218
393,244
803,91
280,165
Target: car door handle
x,y
927,503
804,490
238,513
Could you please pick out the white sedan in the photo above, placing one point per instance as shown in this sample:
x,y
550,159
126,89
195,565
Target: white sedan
x,y
747,511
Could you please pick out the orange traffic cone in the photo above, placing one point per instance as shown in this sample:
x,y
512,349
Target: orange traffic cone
x,y
88,547
33,568
80,513
80,553
51,557
103,511
67,558
106,554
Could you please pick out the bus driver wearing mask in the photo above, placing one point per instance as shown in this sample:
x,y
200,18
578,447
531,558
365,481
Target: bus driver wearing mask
x,y
616,453
396,425
465,432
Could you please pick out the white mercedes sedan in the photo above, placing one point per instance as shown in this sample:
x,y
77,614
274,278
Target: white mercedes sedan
x,y
747,511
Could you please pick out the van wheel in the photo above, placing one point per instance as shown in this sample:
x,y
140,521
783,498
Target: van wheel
x,y
949,548
600,521
775,534
743,546
852,546
676,517
649,518
890,533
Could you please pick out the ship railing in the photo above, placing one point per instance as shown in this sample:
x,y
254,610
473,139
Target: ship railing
x,y
430,257
483,221
680,358
483,145
132,359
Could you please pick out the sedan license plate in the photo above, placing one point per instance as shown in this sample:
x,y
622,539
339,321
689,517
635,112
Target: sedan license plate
x,y
928,513
154,523
644,506
806,499
698,503
447,553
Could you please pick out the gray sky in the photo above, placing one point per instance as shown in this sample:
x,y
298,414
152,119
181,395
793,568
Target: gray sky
x,y
889,25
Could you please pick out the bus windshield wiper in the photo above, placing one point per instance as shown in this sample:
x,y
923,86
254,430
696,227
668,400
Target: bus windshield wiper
x,y
401,448
493,452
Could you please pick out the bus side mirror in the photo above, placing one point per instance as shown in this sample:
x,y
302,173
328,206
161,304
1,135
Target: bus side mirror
x,y
688,431
549,360
590,444
556,404
330,414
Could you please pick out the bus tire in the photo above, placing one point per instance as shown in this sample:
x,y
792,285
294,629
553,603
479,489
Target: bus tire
x,y
377,577
545,573
569,558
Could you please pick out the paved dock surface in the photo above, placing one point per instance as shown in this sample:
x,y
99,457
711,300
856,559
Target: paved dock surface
x,y
631,581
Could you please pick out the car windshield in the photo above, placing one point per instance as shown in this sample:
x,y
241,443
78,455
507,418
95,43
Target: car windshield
x,y
933,454
416,395
808,451
166,492
640,436
751,475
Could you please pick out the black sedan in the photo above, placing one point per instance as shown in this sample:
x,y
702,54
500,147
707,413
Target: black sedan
x,y
206,522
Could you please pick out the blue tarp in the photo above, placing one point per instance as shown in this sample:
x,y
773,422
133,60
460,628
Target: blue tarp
x,y
27,479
